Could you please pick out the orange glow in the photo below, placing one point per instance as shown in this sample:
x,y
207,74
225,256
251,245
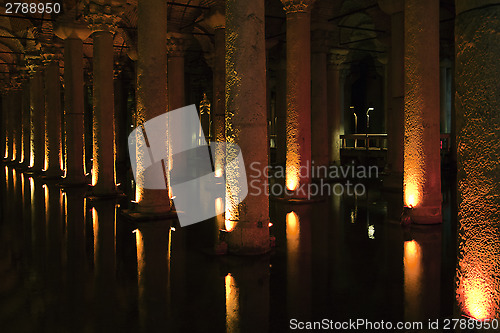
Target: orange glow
x,y
476,298
219,206
412,277
412,195
218,172
292,178
141,263
95,228
230,225
32,154
232,304
292,224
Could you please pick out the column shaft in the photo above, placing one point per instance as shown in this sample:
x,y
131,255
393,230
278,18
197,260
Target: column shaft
x,y
17,133
151,88
335,107
74,110
37,99
26,125
477,103
422,176
246,122
52,120
176,82
298,122
103,166
219,108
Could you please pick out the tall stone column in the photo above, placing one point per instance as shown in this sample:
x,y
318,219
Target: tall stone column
x,y
477,101
16,113
422,162
319,101
281,107
335,102
246,122
395,119
217,22
102,23
6,110
26,123
37,101
175,72
53,115
298,120
151,92
73,35
5,124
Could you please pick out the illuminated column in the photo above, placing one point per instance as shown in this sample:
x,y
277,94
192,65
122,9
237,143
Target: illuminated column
x,y
298,71
151,89
102,23
73,36
477,103
246,122
6,109
217,22
335,101
16,112
422,162
5,125
395,119
37,101
26,125
319,99
52,117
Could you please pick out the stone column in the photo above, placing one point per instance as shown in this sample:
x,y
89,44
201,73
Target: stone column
x,y
477,45
151,92
422,163
53,115
335,102
176,88
37,102
6,109
246,122
298,120
217,22
5,124
281,108
395,119
319,101
73,35
16,112
102,23
26,124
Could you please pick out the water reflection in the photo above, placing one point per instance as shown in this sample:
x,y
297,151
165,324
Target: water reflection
x,y
77,266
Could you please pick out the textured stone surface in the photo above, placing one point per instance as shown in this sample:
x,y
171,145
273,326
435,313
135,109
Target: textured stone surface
x,y
477,103
422,177
52,120
38,121
246,122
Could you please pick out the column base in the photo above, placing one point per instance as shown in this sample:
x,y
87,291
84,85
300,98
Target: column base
x,y
249,238
426,215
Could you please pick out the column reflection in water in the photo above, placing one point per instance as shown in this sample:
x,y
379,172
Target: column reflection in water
x,y
153,241
77,268
247,294
298,248
104,224
422,274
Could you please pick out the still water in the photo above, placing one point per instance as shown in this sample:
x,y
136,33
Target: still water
x,y
72,264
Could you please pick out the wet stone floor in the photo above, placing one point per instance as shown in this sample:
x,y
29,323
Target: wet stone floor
x,y
72,264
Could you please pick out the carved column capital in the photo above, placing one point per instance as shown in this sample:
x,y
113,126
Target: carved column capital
x,y
216,20
102,17
33,62
297,6
176,44
66,29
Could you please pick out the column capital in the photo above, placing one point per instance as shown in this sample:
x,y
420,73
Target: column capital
x,y
66,29
391,7
50,54
337,56
176,44
216,20
102,17
297,6
33,62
